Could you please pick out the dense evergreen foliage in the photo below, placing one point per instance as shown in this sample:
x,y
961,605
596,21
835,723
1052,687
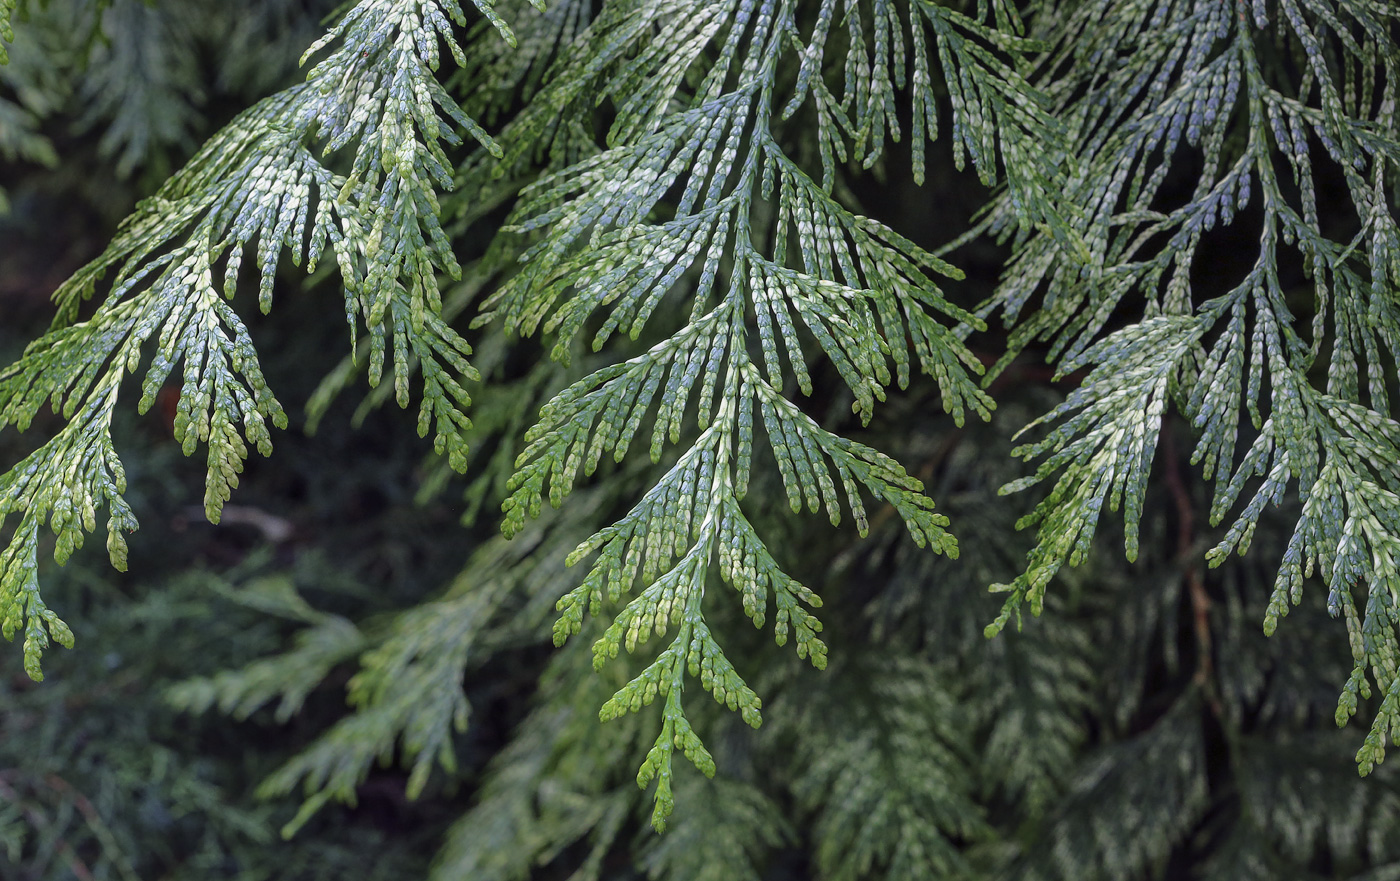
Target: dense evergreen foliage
x,y
788,247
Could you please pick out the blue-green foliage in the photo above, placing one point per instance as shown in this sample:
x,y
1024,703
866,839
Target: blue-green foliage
x,y
674,178
763,248
1279,109
254,189
696,201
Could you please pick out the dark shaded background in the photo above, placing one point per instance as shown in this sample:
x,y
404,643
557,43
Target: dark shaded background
x,y
100,778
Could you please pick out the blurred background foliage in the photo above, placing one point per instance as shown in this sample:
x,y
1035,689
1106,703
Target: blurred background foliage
x,y
357,631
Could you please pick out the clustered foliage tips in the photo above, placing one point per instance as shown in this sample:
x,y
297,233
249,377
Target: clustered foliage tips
x,y
255,189
716,187
1274,115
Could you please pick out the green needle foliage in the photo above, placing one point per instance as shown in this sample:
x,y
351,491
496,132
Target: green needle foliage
x,y
254,188
1274,116
1196,202
770,251
7,30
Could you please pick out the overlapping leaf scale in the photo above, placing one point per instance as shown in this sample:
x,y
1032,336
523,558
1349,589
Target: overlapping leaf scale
x,y
804,452
629,271
547,134
675,519
647,83
1347,533
377,91
1177,89
64,482
996,111
493,79
7,31
498,72
208,195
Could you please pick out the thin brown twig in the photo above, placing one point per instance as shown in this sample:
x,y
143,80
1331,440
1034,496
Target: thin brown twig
x,y
1195,584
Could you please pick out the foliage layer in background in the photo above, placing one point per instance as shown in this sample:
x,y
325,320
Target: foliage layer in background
x,y
678,183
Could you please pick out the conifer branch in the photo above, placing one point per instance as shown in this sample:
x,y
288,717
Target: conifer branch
x,y
256,189
694,178
7,30
1265,132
